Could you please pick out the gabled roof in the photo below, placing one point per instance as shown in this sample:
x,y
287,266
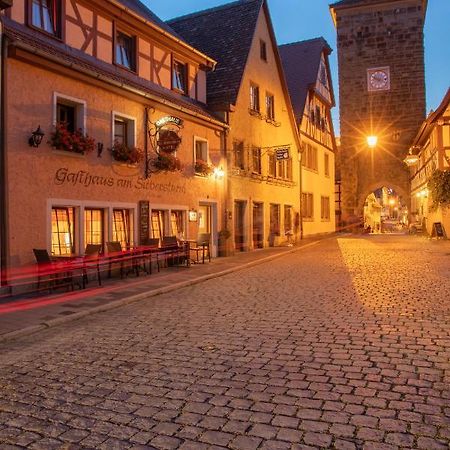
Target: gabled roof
x,y
226,34
301,61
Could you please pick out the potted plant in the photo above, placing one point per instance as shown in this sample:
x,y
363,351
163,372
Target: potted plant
x,y
201,167
224,235
123,153
76,142
166,162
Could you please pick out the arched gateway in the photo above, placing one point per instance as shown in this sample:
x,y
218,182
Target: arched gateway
x,y
382,94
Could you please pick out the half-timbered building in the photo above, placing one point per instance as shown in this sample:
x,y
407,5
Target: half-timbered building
x,y
249,91
107,136
308,76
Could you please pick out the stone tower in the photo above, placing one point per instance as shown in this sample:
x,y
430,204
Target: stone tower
x,y
382,93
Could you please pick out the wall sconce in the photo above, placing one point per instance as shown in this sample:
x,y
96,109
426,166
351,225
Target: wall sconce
x,y
36,137
219,173
372,141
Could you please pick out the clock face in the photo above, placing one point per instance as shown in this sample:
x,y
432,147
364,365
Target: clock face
x,y
378,79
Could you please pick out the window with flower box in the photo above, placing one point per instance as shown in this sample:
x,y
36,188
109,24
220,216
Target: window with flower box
x,y
270,107
254,98
201,157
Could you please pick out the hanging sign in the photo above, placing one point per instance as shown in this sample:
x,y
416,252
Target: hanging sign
x,y
168,140
282,153
169,119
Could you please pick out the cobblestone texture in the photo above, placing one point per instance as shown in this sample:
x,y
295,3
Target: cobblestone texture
x,y
345,345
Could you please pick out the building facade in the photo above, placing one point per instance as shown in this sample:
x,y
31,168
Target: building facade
x,y
308,75
249,91
129,145
382,94
431,148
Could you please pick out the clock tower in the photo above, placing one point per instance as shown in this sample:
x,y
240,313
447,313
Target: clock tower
x,y
382,94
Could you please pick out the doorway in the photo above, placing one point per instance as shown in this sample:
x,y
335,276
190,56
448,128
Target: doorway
x,y
207,223
239,225
258,225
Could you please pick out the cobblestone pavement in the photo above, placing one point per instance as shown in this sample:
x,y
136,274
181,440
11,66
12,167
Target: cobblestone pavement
x,y
343,345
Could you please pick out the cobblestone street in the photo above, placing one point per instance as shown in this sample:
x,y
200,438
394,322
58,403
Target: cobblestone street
x,y
342,345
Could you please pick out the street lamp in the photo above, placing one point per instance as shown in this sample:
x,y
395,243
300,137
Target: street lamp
x,y
372,141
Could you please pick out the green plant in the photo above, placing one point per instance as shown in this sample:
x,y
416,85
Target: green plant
x,y
439,187
77,141
123,153
201,167
165,162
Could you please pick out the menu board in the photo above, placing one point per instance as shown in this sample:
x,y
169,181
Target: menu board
x,y
144,221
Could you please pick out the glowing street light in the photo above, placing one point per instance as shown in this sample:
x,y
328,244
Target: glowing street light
x,y
372,141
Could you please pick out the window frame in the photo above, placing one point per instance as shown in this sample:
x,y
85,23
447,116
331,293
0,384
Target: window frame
x,y
203,141
326,163
178,61
104,228
57,16
325,212
80,109
270,106
131,127
255,105
241,145
72,231
133,38
307,206
256,157
275,225
263,50
128,226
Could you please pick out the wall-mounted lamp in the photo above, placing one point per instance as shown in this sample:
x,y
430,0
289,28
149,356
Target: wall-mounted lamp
x,y
36,137
219,173
372,141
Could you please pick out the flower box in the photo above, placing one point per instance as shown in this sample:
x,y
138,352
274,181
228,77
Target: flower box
x,y
68,141
201,167
165,162
123,153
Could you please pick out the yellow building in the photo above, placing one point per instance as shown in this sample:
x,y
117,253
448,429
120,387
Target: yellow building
x,y
121,100
430,152
249,91
308,76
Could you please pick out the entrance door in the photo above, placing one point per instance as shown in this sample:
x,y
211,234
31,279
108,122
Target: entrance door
x,y
207,223
258,225
239,226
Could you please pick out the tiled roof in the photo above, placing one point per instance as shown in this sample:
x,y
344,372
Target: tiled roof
x,y
225,33
301,62
68,56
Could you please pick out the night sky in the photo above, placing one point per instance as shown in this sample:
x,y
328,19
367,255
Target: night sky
x,y
296,20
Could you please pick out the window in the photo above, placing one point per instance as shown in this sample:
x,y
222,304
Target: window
x,y
310,157
263,50
289,169
307,205
177,223
256,160
287,219
275,219
69,111
272,165
122,227
123,130
63,226
238,153
93,226
270,107
125,50
327,164
45,15
66,114
281,169
201,150
325,208
254,97
158,224
179,76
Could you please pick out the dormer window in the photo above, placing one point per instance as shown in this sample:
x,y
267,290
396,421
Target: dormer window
x,y
44,15
179,76
125,46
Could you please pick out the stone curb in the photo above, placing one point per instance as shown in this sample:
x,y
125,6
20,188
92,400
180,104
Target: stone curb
x,y
143,296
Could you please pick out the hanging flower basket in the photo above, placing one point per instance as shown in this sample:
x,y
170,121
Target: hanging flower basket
x,y
76,142
201,167
166,163
123,153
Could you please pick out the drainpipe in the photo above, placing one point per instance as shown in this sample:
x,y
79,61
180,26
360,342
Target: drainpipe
x,y
3,222
300,177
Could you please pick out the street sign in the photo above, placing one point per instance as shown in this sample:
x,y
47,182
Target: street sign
x,y
282,153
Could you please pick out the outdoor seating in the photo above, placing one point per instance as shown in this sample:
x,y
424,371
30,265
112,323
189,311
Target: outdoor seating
x,y
202,245
173,253
115,256
150,247
91,261
55,274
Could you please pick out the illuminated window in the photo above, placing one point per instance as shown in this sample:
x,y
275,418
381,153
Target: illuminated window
x,y
93,226
122,227
177,223
63,239
44,15
179,76
158,224
125,50
254,97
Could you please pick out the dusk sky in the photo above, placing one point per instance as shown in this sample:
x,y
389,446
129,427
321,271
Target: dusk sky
x,y
296,20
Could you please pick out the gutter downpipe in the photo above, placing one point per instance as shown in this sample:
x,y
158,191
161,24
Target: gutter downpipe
x,y
300,177
3,223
